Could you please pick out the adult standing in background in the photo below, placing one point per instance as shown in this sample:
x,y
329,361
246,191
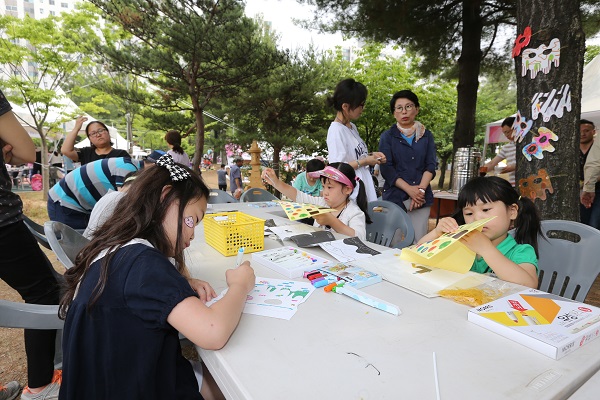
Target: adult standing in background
x,y
235,177
100,143
222,178
411,160
508,152
23,265
173,139
344,144
590,212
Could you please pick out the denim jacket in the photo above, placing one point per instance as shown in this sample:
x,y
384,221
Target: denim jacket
x,y
406,161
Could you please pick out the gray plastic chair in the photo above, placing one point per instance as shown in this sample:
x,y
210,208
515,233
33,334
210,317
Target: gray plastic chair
x,y
391,225
568,268
257,194
218,196
37,231
65,241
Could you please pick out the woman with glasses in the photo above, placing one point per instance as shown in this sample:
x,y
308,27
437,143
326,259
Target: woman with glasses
x,y
411,160
344,144
101,145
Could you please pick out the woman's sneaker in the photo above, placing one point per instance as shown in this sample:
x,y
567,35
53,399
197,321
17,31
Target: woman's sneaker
x,y
50,392
10,391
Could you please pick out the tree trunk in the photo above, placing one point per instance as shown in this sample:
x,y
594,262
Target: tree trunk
x,y
469,64
199,151
550,19
443,168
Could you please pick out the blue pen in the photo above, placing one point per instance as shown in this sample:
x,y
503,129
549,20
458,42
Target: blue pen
x,y
240,257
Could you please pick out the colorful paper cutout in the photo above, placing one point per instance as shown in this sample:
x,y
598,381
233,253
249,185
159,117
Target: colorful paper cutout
x,y
296,211
521,41
521,126
541,59
540,143
535,186
445,252
552,103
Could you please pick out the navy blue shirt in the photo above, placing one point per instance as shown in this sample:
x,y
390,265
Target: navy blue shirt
x,y
11,206
406,161
123,347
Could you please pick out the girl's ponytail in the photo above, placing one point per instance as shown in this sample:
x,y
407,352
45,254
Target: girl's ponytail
x,y
527,224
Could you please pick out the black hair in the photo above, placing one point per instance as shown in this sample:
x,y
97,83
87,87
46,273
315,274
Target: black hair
x,y
361,199
222,165
348,91
586,121
87,132
314,165
403,94
508,122
140,214
493,188
173,137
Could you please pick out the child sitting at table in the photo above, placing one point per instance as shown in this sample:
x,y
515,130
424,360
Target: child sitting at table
x,y
511,259
339,180
125,301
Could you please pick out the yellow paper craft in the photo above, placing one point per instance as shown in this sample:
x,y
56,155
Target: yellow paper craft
x,y
296,211
445,252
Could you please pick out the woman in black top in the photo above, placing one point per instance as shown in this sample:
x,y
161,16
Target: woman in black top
x,y
101,145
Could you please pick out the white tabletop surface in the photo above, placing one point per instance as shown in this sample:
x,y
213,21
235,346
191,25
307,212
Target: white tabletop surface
x,y
589,390
337,348
442,194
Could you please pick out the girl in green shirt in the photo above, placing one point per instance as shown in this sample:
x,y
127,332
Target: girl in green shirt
x,y
511,259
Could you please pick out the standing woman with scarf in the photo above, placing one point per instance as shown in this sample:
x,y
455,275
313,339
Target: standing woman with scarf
x,y
411,160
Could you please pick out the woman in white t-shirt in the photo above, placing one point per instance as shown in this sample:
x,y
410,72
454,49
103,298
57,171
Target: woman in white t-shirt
x,y
173,139
344,144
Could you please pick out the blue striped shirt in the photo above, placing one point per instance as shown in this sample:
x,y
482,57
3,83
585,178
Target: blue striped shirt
x,y
81,189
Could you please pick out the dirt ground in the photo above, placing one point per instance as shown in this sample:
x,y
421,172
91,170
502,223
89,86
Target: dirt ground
x,y
13,365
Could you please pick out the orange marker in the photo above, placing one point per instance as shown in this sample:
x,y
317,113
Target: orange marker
x,y
329,287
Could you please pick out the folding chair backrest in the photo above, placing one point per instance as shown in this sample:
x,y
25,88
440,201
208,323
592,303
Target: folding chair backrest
x,y
218,196
65,241
568,267
257,194
391,225
37,231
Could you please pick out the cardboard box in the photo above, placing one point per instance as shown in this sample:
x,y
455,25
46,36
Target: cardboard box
x,y
550,324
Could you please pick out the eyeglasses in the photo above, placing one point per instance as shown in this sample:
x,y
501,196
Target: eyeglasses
x,y
98,132
408,108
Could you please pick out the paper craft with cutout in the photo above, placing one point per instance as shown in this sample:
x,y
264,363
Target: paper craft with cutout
x,y
540,143
296,211
552,103
445,252
540,59
521,126
521,41
535,186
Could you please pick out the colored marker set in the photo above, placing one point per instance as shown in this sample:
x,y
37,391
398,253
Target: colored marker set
x,y
320,278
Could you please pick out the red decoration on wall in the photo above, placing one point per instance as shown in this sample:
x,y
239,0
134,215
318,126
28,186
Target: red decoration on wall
x,y
522,41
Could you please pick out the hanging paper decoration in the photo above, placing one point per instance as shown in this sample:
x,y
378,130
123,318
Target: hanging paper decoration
x,y
535,186
521,126
552,103
522,41
540,143
540,59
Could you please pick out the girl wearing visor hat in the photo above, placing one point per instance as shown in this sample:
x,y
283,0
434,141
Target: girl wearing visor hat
x,y
339,180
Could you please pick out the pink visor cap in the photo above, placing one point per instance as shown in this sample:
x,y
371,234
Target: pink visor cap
x,y
332,173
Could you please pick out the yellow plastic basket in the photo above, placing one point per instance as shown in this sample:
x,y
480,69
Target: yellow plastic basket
x,y
229,231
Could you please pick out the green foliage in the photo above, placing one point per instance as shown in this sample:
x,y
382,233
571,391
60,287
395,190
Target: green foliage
x,y
590,53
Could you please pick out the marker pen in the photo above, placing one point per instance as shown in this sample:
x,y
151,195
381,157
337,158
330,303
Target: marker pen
x,y
240,257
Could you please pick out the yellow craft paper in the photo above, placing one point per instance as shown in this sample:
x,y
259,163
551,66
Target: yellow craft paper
x,y
296,211
446,251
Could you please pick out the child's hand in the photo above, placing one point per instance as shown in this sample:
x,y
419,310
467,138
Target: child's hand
x,y
477,242
446,225
325,219
204,290
268,175
242,275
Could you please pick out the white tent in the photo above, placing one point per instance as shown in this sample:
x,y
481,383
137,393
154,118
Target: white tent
x,y
590,104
